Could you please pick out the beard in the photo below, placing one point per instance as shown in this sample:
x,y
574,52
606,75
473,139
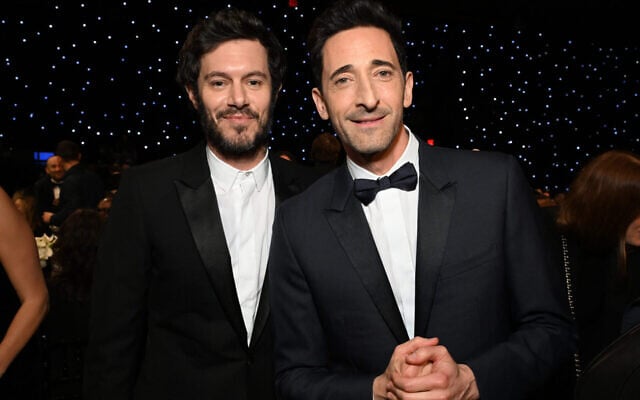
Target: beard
x,y
241,144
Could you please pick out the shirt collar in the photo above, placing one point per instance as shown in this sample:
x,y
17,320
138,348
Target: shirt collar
x,y
224,175
410,154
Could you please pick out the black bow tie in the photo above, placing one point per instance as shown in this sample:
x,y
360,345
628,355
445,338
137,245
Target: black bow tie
x,y
404,178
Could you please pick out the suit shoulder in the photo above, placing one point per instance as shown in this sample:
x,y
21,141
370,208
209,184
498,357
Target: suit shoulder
x,y
472,159
317,193
160,166
471,155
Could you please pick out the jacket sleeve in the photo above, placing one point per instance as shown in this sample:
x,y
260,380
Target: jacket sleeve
x,y
118,315
543,337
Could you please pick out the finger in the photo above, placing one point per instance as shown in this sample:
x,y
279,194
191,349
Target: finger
x,y
401,385
425,354
415,344
411,370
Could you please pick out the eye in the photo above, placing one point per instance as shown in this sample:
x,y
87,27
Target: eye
x,y
218,83
341,81
385,74
254,82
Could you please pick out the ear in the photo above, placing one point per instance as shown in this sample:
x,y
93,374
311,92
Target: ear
x,y
408,90
192,96
320,104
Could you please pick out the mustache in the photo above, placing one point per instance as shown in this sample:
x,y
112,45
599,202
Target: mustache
x,y
231,111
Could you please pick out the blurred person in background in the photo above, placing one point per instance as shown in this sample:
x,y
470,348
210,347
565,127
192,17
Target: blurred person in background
x,y
326,152
599,218
66,327
26,202
83,188
48,187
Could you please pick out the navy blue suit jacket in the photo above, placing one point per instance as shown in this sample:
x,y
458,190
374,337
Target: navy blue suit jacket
x,y
486,284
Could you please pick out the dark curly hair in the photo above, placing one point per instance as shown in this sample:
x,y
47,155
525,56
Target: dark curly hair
x,y
74,253
220,27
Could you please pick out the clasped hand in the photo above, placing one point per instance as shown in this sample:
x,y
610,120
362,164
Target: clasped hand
x,y
423,369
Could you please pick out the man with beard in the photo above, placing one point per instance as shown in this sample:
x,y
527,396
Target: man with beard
x,y
179,306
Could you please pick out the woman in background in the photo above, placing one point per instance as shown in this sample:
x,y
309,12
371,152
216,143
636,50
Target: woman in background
x,y
600,219
25,201
23,305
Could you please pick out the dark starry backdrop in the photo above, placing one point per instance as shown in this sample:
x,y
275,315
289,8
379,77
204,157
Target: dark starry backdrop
x,y
553,83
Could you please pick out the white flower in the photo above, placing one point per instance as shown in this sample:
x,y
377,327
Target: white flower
x,y
44,244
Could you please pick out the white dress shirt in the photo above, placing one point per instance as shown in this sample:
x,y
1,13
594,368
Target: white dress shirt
x,y
246,200
56,191
393,220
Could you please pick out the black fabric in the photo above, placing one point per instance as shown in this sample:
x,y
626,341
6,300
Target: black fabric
x,y
404,178
614,374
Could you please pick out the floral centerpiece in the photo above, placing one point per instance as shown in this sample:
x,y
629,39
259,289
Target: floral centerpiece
x,y
44,244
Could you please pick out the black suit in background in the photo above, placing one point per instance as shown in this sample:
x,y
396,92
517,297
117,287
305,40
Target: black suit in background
x,y
486,285
83,188
43,190
166,321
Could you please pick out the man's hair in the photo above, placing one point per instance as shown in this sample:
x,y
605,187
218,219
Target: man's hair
x,y
68,150
343,15
222,26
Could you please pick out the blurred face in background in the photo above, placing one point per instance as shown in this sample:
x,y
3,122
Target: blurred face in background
x,y
54,168
632,236
21,206
104,206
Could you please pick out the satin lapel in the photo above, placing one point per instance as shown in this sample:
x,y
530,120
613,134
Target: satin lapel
x,y
352,230
437,197
263,305
198,200
262,313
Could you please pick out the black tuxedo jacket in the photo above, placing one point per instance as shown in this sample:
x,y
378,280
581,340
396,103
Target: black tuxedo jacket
x,y
166,321
485,283
83,188
43,189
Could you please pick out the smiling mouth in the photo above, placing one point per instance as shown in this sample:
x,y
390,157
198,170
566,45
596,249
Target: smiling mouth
x,y
238,117
367,121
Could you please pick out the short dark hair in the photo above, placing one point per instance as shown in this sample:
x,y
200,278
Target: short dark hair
x,y
347,14
222,26
68,150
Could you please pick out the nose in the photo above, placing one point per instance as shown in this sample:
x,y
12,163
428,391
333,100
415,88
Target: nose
x,y
238,95
367,96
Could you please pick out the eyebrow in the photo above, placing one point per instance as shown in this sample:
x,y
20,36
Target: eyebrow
x,y
213,74
348,67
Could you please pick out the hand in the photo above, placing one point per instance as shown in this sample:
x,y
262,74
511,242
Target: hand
x,y
439,377
398,365
46,217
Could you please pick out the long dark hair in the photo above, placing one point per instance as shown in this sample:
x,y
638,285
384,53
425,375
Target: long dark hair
x,y
603,200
